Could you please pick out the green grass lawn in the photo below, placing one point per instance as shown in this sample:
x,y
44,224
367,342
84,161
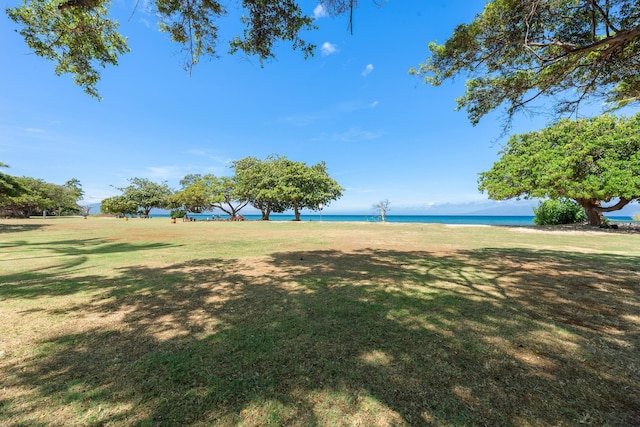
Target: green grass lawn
x,y
148,323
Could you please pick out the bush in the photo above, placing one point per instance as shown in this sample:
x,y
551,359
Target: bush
x,y
561,211
177,213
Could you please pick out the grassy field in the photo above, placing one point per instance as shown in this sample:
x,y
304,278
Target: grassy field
x,y
148,323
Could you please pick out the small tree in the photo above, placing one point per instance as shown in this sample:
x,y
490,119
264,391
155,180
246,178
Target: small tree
x,y
382,207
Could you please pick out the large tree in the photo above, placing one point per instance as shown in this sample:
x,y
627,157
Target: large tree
x,y
592,161
147,194
9,185
81,37
29,196
258,181
277,184
34,199
516,51
195,195
201,193
307,187
65,197
226,196
118,205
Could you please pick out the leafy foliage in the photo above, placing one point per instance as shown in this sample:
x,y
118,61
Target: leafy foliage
x,y
177,213
516,51
195,195
80,38
9,185
146,194
119,205
307,187
29,196
269,21
201,193
561,211
277,184
226,197
76,35
590,161
257,182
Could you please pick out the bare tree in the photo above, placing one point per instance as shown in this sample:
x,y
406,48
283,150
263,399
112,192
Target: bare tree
x,y
383,207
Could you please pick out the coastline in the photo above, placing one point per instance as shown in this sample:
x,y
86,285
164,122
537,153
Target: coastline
x,y
461,220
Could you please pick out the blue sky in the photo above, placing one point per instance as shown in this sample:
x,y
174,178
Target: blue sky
x,y
382,133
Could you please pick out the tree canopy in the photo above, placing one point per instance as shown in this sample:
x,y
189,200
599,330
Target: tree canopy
x,y
277,184
119,205
29,196
81,37
201,193
516,51
195,195
9,185
258,181
146,194
307,187
272,185
592,161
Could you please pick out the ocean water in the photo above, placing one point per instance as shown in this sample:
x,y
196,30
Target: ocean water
x,y
425,219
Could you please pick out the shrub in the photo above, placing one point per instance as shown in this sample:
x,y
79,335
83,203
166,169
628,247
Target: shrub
x,y
177,213
560,211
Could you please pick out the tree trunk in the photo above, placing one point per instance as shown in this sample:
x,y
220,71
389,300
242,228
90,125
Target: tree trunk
x,y
266,212
594,216
296,211
593,210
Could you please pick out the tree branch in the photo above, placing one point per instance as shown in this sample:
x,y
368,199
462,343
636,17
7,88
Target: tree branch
x,y
621,204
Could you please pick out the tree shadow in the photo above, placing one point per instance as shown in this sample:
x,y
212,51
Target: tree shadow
x,y
480,337
17,228
52,280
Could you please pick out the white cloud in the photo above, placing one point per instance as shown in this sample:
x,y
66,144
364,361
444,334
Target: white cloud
x,y
374,104
367,70
320,12
328,49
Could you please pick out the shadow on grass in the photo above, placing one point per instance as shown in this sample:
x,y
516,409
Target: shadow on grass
x,y
17,228
52,280
487,337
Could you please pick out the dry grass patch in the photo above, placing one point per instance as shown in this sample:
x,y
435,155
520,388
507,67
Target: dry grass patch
x,y
151,323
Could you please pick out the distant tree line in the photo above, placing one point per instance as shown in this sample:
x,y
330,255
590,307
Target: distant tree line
x,y
23,197
273,185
